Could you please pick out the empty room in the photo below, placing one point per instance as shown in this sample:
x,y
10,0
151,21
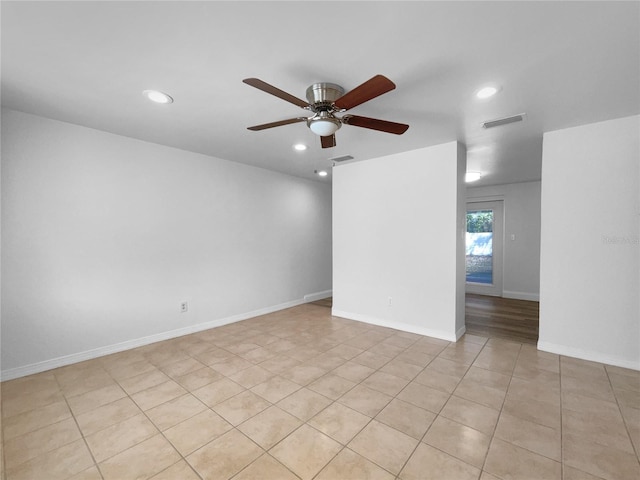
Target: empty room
x,y
204,276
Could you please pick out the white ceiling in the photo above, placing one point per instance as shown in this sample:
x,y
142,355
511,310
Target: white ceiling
x,y
562,63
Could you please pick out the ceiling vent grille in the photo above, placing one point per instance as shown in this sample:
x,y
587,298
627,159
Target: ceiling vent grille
x,y
344,158
503,121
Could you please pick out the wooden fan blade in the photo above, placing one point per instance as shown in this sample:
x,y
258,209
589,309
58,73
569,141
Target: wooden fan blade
x,y
372,88
329,141
264,126
375,124
265,87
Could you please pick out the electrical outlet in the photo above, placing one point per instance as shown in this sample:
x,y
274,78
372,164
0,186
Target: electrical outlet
x,y
184,306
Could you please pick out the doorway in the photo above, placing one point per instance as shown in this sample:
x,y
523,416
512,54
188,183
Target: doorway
x,y
484,238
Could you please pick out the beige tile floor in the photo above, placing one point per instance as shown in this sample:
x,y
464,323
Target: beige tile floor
x,y
299,394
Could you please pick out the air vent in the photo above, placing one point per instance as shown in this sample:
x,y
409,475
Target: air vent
x,y
344,158
503,121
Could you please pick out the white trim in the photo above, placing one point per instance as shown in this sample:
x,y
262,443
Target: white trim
x,y
405,327
587,355
63,361
461,331
533,297
312,297
486,198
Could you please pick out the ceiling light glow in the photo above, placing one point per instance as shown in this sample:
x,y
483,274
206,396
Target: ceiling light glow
x,y
158,97
486,92
472,176
301,147
323,173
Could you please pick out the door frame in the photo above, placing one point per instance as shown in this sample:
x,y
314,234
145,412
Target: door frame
x,y
495,289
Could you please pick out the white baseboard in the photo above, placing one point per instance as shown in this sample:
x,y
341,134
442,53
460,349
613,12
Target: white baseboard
x,y
461,331
587,355
313,297
533,297
63,361
405,327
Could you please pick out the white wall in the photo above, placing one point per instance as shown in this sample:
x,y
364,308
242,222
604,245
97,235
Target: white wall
x,y
521,256
590,267
398,231
104,236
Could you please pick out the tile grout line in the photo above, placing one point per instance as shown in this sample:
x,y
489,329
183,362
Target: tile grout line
x,y
307,421
438,413
562,462
235,427
451,394
493,433
159,368
396,397
75,420
129,396
343,447
371,419
72,416
146,416
161,432
624,421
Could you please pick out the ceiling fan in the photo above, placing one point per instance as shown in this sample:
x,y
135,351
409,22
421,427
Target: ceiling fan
x,y
327,99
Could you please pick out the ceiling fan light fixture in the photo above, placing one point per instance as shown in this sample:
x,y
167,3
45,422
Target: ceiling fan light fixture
x,y
324,124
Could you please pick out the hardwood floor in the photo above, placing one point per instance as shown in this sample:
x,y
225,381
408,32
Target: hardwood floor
x,y
495,317
498,317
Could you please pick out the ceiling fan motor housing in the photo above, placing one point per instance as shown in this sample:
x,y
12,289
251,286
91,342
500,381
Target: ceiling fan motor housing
x,y
322,95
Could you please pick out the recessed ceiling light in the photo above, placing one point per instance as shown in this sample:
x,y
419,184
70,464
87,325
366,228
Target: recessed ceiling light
x,y
472,176
487,92
322,173
158,97
300,147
